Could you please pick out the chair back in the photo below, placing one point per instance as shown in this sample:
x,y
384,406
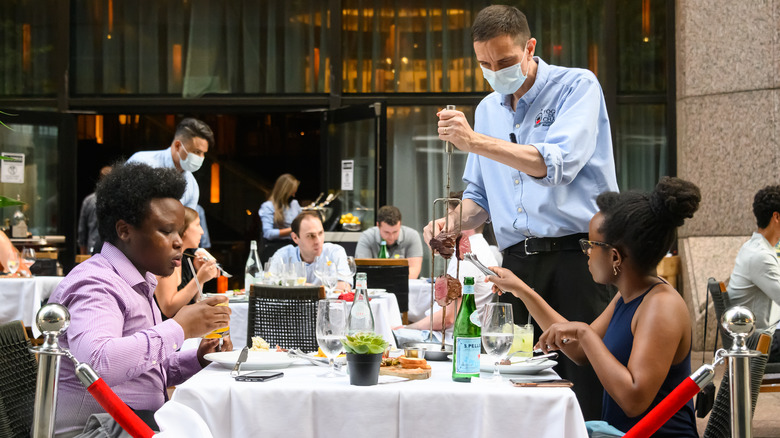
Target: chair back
x,y
284,316
720,300
389,274
719,424
18,372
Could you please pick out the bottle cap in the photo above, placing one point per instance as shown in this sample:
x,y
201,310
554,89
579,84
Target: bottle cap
x,y
468,281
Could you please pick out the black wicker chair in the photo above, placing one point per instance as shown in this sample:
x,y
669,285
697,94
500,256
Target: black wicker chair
x,y
389,274
284,316
720,299
18,371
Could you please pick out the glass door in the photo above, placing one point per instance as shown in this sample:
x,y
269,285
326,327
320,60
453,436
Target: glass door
x,y
43,145
354,150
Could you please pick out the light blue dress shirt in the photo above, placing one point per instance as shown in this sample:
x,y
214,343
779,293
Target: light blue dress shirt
x,y
163,158
266,212
755,281
331,251
564,116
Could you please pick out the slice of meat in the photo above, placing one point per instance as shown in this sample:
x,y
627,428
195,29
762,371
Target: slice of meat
x,y
462,246
446,290
444,244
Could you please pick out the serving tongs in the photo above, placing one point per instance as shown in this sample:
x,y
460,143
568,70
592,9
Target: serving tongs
x,y
471,257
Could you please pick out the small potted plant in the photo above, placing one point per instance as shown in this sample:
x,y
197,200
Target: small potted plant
x,y
364,357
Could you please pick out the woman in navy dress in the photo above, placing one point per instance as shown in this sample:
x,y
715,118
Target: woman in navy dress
x,y
640,346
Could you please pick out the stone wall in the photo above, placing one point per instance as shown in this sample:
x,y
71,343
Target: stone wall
x,y
728,135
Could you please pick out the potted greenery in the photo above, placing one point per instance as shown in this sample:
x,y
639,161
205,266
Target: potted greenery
x,y
364,357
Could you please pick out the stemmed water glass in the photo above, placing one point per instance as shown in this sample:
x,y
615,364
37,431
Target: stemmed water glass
x,y
497,333
331,329
13,262
326,271
352,270
28,256
299,268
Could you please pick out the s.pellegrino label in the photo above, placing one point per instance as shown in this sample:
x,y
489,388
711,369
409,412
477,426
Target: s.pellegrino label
x,y
467,337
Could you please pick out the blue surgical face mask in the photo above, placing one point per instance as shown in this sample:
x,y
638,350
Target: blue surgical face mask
x,y
190,162
507,80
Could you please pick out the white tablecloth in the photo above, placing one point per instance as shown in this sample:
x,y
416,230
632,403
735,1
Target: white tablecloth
x,y
303,405
20,298
385,309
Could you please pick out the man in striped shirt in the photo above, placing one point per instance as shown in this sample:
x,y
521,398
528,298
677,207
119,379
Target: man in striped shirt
x,y
115,325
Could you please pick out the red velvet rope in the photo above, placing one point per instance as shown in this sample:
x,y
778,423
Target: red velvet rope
x,y
119,410
664,410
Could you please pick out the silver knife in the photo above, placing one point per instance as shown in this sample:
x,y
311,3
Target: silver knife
x,y
241,359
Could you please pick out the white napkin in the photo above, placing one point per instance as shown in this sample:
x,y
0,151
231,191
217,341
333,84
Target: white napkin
x,y
177,420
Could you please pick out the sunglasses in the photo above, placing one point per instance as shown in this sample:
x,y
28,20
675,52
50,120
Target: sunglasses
x,y
586,245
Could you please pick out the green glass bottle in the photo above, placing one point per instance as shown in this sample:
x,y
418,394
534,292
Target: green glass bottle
x,y
467,337
383,250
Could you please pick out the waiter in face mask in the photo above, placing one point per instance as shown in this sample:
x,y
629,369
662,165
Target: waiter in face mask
x,y
539,155
192,140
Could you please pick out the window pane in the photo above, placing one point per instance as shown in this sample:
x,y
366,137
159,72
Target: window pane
x,y
189,48
27,48
642,151
641,40
409,46
38,143
412,46
417,165
569,33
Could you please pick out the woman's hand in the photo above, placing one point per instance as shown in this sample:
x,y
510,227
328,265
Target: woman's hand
x,y
562,334
505,281
207,271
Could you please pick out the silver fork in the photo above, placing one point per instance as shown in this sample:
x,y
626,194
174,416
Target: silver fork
x,y
298,354
551,355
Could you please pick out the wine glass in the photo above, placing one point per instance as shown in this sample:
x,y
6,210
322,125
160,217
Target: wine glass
x,y
352,269
13,262
331,329
299,269
329,277
497,333
28,256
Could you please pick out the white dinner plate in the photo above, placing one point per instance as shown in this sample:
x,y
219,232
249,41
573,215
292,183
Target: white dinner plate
x,y
486,364
376,292
257,360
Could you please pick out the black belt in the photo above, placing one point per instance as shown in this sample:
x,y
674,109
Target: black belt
x,y
535,245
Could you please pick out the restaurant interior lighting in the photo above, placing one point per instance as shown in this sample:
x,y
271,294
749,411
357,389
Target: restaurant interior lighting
x,y
214,197
99,129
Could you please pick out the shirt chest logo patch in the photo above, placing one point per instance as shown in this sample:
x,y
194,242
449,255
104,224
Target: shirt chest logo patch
x,y
546,117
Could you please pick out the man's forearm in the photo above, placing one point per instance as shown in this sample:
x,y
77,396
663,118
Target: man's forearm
x,y
522,157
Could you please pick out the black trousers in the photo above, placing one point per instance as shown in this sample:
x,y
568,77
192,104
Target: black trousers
x,y
563,280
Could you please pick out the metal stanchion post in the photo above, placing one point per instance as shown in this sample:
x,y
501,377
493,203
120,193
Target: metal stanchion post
x,y
52,319
739,322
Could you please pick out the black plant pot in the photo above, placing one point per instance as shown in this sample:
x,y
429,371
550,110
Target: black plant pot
x,y
364,368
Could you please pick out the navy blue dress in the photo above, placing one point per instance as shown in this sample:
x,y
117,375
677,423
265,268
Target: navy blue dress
x,y
619,340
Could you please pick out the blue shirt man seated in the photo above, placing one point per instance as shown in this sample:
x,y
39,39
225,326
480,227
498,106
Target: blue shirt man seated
x,y
309,236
